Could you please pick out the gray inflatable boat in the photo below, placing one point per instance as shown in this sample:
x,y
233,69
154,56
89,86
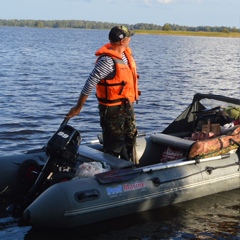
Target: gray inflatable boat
x,y
196,155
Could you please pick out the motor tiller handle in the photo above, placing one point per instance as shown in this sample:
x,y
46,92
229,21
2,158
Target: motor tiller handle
x,y
65,121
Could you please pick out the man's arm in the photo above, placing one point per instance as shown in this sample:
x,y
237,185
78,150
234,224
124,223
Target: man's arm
x,y
74,111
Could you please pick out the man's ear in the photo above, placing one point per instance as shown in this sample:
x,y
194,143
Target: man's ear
x,y
121,42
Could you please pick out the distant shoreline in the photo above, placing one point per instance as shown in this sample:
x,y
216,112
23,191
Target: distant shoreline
x,y
165,32
190,33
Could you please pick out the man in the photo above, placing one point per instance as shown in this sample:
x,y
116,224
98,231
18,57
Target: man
x,y
116,80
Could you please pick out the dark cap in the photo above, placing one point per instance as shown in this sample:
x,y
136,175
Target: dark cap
x,y
118,33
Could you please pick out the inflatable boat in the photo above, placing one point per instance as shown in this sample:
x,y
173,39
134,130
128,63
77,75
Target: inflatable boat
x,y
68,184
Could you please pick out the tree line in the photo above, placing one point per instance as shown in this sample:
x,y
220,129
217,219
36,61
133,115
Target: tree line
x,y
105,25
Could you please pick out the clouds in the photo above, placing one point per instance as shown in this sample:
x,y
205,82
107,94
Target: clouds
x,y
181,12
165,1
147,2
178,1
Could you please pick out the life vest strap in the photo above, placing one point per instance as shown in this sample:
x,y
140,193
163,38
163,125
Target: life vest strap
x,y
123,84
104,100
112,84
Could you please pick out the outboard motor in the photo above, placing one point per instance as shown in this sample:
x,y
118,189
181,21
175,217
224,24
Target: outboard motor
x,y
62,152
64,144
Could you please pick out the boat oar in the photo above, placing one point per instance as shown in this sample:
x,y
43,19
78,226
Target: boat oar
x,y
120,175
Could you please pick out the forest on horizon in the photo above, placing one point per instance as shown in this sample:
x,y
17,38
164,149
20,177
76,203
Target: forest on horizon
x,y
105,25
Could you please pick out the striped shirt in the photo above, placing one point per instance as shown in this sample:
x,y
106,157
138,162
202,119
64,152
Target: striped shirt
x,y
104,66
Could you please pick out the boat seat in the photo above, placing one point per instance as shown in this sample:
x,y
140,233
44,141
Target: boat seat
x,y
99,156
172,141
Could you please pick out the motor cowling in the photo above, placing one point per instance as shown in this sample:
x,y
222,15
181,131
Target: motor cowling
x,y
64,144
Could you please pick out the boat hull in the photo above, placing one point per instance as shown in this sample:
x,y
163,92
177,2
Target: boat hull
x,y
85,200
14,167
162,171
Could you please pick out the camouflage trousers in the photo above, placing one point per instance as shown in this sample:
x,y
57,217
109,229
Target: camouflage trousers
x,y
118,129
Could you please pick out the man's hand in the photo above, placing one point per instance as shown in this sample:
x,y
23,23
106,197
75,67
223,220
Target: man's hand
x,y
74,111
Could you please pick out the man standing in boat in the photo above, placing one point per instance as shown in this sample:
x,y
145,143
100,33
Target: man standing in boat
x,y
116,80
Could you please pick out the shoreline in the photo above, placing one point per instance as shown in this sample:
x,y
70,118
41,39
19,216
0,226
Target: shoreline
x,y
190,33
169,33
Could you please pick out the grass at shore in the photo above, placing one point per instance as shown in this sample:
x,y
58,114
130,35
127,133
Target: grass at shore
x,y
188,33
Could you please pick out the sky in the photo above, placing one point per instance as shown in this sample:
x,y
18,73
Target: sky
x,y
181,12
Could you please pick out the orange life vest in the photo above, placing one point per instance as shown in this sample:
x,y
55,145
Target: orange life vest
x,y
124,85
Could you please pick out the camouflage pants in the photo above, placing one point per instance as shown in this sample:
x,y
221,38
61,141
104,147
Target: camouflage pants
x,y
118,129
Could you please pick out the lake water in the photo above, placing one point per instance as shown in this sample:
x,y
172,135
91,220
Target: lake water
x,y
41,74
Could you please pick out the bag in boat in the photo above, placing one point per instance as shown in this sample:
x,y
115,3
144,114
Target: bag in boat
x,y
233,112
208,119
215,146
90,169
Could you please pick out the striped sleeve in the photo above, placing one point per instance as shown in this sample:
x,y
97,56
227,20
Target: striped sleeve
x,y
103,67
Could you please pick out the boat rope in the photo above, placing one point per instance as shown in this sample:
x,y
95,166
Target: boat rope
x,y
207,169
232,141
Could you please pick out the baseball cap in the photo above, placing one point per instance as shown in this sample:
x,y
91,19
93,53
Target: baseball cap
x,y
118,33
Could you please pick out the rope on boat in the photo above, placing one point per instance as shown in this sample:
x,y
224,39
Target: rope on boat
x,y
207,169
